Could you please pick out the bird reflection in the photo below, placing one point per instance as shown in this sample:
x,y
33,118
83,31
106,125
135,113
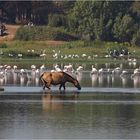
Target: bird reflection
x,y
124,81
15,78
136,81
79,76
2,81
101,80
94,78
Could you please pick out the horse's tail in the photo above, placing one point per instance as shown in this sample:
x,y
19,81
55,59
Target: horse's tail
x,y
42,75
40,78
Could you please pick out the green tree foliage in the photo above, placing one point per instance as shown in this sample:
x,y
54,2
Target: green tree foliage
x,y
56,20
40,11
136,38
90,20
123,28
136,7
24,11
96,19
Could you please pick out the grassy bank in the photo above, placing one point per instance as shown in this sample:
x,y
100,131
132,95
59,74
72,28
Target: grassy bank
x,y
61,51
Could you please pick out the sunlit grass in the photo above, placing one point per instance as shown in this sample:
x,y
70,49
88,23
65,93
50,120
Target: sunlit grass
x,y
65,48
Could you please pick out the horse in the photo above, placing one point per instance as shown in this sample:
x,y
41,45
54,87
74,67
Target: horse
x,y
56,78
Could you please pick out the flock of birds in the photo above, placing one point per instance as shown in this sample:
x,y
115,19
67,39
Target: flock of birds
x,y
11,74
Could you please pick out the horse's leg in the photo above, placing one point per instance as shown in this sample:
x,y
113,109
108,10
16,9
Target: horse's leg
x,y
43,84
48,84
43,87
60,87
64,86
48,87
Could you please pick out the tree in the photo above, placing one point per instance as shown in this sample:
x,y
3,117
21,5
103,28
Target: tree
x,y
40,11
96,18
136,38
123,28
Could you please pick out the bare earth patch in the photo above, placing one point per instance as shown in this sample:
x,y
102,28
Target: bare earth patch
x,y
11,31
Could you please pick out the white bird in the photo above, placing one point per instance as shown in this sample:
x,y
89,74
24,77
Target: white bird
x,y
2,74
94,70
135,73
37,72
84,55
22,76
22,71
42,68
101,71
117,70
69,69
15,67
1,67
124,73
57,68
33,67
14,70
79,69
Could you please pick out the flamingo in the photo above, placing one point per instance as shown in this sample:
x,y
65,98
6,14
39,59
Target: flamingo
x,y
124,73
79,69
42,68
135,73
22,76
57,68
94,70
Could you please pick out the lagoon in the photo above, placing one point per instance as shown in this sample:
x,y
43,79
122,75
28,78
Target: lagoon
x,y
107,107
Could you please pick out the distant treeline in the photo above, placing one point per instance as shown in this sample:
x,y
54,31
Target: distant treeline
x,y
91,20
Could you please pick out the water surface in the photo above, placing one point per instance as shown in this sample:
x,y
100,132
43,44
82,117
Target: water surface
x,y
107,107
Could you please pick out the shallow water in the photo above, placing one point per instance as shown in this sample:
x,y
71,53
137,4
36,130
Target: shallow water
x,y
106,108
70,115
85,79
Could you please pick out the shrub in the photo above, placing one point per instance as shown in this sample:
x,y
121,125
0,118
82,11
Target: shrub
x,y
136,38
43,33
3,45
117,50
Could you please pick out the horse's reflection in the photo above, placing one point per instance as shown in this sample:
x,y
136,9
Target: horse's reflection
x,y
55,101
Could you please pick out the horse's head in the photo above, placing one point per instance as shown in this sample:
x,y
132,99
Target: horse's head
x,y
76,84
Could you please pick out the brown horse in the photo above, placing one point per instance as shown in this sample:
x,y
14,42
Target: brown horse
x,y
56,78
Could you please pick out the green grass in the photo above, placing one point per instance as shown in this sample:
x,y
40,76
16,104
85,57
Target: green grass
x,y
68,48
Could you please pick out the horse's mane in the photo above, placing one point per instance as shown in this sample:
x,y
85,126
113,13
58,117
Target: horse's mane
x,y
69,75
66,74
